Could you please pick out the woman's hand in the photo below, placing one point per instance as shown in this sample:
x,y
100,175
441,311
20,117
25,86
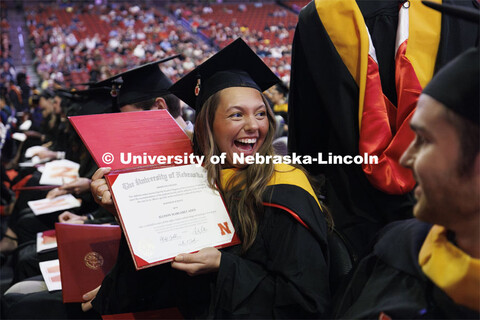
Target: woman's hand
x,y
204,261
100,191
88,297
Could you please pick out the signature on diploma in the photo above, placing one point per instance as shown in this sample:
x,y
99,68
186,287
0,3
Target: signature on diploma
x,y
199,230
168,238
187,242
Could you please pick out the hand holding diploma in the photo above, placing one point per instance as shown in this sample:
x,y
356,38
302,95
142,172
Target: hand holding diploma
x,y
204,261
88,297
46,154
72,218
77,186
101,192
167,211
55,193
41,152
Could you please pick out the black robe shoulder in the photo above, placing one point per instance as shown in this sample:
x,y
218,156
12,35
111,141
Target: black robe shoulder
x,y
390,281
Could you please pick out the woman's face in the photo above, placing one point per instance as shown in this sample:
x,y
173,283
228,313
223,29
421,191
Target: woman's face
x,y
241,123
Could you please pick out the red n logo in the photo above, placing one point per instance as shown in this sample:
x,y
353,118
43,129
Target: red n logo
x,y
224,228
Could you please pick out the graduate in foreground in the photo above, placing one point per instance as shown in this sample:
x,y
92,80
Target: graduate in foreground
x,y
280,270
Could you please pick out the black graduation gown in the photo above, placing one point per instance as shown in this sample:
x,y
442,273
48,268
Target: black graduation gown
x,y
323,111
41,305
26,225
284,274
391,281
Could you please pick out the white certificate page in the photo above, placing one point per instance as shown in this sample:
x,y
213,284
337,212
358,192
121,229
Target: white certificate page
x,y
45,206
169,211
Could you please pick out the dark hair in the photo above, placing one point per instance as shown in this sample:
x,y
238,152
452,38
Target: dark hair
x,y
282,88
145,104
21,78
469,135
173,104
65,103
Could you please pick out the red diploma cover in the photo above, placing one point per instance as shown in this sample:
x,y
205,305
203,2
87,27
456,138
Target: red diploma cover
x,y
112,137
86,253
163,202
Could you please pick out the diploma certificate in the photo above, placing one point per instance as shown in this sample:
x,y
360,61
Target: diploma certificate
x,y
51,274
169,211
163,211
45,206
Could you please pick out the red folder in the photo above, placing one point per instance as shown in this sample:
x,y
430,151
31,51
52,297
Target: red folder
x,y
152,133
86,253
147,135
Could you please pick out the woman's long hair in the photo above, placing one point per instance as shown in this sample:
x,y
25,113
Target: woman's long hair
x,y
243,192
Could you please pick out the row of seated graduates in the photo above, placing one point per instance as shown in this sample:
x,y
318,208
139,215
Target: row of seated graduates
x,y
63,142
141,83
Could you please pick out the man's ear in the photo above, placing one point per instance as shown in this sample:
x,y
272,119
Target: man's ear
x,y
160,104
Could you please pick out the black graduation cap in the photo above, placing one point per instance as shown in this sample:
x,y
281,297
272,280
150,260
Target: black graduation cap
x,y
140,83
64,93
94,101
457,85
236,65
459,11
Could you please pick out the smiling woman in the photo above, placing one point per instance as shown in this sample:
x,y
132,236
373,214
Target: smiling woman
x,y
281,268
271,274
238,121
241,122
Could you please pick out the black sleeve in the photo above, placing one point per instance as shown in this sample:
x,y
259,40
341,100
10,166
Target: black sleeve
x,y
101,216
125,289
289,280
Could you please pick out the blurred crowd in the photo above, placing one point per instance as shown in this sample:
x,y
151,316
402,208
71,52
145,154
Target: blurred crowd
x,y
71,40
131,36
